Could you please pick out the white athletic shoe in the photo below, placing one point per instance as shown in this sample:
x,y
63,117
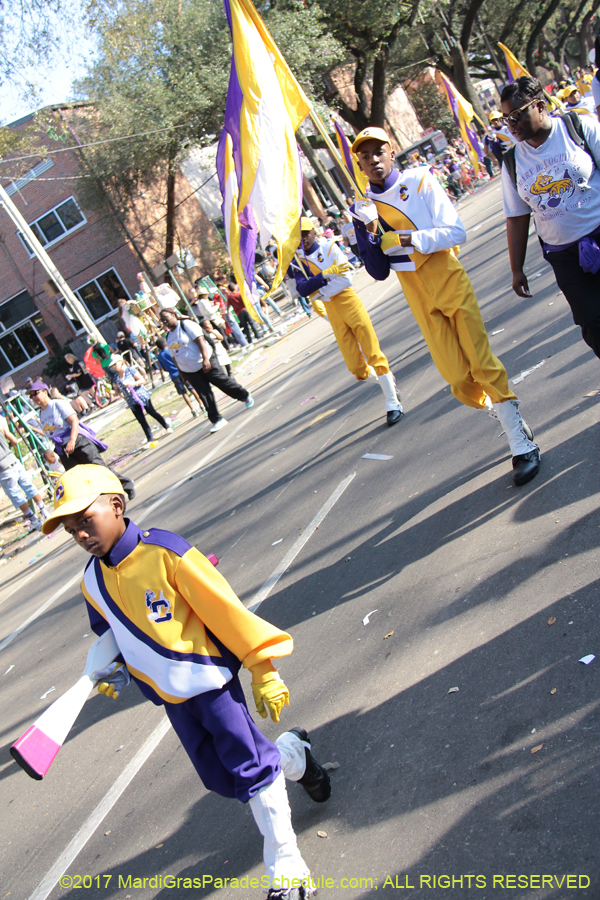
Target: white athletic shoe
x,y
220,423
169,430
249,401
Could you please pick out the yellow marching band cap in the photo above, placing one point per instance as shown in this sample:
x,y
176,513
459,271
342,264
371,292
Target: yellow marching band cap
x,y
77,489
370,134
306,224
495,115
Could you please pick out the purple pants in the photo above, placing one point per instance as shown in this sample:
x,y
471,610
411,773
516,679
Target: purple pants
x,y
232,757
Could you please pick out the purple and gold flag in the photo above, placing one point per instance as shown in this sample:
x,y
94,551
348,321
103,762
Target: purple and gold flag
x,y
463,116
258,163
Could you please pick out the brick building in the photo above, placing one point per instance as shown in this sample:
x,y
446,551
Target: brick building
x,y
94,254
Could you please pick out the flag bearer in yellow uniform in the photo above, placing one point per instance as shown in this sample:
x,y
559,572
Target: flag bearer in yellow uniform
x,y
183,635
324,273
420,229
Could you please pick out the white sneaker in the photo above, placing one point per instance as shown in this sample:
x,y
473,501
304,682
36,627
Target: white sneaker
x,y
35,524
249,401
220,423
43,513
169,430
195,413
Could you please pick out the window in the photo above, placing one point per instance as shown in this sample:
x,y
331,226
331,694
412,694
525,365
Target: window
x,y
53,225
20,341
99,297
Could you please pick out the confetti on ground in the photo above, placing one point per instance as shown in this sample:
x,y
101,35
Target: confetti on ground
x,y
368,616
307,399
38,556
453,690
537,275
158,846
8,670
49,691
376,456
586,660
329,766
551,620
537,749
276,542
282,449
500,330
553,691
322,834
386,636
527,372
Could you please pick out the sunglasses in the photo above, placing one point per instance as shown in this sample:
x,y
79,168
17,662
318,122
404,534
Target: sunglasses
x,y
515,116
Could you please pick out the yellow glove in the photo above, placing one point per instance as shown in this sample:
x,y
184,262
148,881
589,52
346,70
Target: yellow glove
x,y
112,680
270,695
389,241
337,269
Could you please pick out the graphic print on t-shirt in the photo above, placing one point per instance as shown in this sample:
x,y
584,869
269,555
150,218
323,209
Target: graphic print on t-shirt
x,y
557,184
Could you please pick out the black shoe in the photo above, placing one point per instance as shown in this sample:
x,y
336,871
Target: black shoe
x,y
298,893
315,780
525,466
394,415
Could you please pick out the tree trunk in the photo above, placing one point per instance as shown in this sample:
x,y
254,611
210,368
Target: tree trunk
x,y
462,79
170,218
378,99
537,30
586,38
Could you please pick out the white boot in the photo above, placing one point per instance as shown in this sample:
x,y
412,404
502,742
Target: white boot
x,y
271,811
387,383
510,418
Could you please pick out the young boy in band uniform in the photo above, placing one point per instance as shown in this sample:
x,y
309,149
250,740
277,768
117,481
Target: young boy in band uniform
x,y
420,230
183,635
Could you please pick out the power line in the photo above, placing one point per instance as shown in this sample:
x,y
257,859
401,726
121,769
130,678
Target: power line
x,y
125,137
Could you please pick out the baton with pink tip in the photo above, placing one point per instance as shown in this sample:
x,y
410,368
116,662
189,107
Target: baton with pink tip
x,y
36,749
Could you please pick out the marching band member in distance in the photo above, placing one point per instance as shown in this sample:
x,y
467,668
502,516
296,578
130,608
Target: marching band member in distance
x,y
326,275
420,229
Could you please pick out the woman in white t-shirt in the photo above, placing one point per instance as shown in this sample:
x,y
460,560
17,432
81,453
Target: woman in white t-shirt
x,y
195,357
558,183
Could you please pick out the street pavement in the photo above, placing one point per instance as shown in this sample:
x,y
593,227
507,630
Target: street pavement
x,y
464,726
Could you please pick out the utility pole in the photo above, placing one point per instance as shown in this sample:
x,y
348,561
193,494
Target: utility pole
x,y
320,169
72,302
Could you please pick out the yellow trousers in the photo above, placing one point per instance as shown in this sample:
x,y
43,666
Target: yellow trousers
x,y
443,302
355,334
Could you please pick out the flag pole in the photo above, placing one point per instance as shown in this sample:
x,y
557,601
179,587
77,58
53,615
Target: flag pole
x,y
333,150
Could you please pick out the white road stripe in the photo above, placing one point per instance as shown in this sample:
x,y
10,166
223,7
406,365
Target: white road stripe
x,y
99,814
8,640
291,555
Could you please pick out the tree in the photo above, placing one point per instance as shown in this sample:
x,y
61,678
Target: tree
x,y
163,66
433,110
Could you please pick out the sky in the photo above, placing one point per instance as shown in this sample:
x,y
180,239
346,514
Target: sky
x,y
53,79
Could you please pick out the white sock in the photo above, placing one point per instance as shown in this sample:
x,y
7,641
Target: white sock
x,y
387,383
510,419
271,811
293,757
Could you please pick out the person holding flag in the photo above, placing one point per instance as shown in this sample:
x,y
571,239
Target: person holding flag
x,y
420,229
322,272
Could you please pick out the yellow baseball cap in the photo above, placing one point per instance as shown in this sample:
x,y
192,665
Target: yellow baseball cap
x,y
77,489
570,89
370,134
306,224
495,115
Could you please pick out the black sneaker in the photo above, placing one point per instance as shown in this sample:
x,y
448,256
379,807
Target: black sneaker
x,y
315,780
298,893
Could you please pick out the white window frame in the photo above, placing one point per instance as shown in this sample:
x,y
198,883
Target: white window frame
x,y
12,329
112,311
23,239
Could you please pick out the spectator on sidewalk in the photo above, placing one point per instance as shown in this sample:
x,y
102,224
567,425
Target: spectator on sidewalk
x,y
250,327
130,385
195,356
16,481
74,441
